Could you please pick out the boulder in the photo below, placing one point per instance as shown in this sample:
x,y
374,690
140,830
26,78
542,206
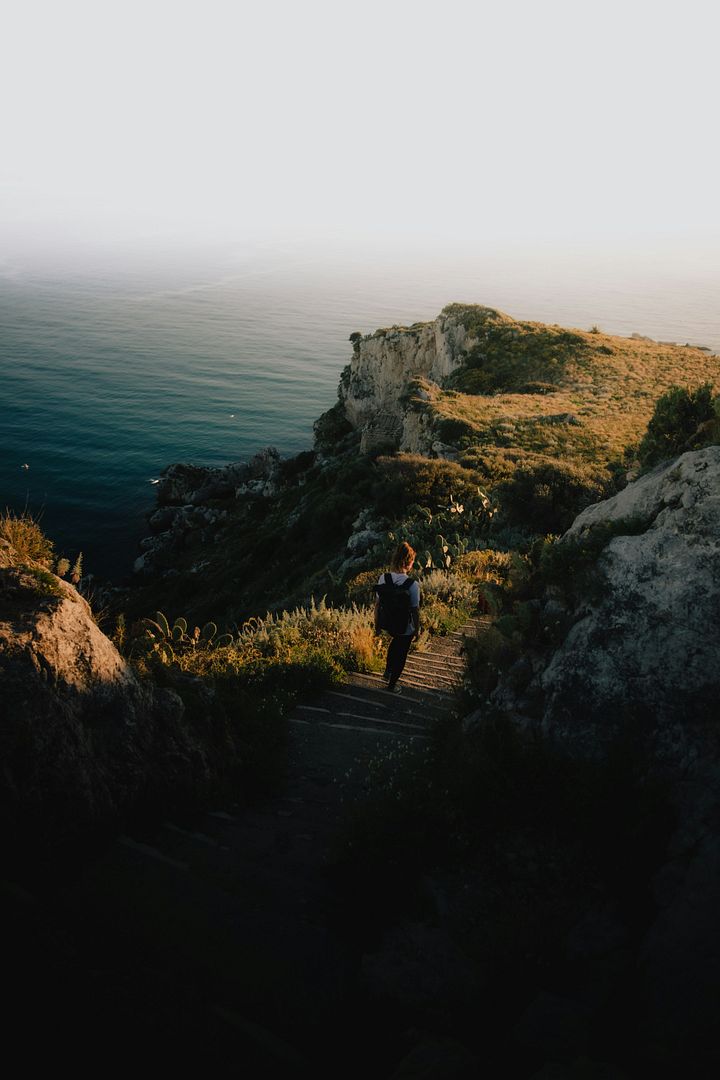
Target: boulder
x,y
640,660
82,739
648,646
178,483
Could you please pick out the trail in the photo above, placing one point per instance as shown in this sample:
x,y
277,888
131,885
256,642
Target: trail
x,y
233,928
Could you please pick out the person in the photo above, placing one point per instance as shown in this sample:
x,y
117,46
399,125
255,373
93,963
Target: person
x,y
400,567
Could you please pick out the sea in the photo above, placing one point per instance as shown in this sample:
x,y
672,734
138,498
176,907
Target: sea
x,y
114,364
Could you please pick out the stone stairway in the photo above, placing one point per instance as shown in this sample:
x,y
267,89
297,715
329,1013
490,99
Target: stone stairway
x,y
240,902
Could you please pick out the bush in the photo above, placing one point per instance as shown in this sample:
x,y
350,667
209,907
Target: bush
x,y
331,429
27,538
678,415
409,479
547,498
510,355
533,834
451,430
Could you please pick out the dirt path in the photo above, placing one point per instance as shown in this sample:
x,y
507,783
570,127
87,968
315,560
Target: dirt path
x,y
231,930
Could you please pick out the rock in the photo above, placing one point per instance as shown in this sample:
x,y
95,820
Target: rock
x,y
385,367
642,660
444,451
599,934
216,489
162,519
361,542
649,644
178,483
81,738
680,965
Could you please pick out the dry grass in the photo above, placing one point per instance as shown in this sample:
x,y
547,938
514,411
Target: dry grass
x,y
605,391
26,537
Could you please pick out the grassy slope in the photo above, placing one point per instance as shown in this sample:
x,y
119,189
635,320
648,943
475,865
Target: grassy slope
x,y
275,553
608,384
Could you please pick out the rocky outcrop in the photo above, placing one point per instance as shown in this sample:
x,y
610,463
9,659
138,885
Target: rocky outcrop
x,y
196,485
194,502
640,664
390,378
82,739
650,646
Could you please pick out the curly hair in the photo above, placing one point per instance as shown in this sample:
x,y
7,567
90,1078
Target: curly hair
x,y
403,558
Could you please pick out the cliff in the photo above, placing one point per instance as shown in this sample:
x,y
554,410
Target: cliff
x,y
476,384
543,418
385,379
620,659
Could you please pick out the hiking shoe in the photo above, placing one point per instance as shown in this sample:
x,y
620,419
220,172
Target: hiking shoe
x,y
395,689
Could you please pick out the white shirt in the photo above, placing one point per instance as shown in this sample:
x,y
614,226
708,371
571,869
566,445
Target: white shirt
x,y
413,593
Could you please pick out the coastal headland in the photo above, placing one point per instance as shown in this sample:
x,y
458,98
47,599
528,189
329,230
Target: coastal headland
x,y
227,843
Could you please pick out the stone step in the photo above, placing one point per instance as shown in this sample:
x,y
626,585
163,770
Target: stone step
x,y
368,699
423,671
415,688
365,728
347,717
435,699
416,704
434,657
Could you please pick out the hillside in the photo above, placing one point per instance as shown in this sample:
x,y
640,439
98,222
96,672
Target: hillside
x,y
512,388
543,419
514,862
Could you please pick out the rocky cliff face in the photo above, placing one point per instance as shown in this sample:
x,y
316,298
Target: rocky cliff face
x,y
383,389
82,739
194,502
650,646
642,663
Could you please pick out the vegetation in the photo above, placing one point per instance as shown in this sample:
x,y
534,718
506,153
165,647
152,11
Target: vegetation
x,y
683,419
38,581
527,388
23,532
534,836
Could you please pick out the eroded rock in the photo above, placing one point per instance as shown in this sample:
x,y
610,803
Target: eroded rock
x,y
82,739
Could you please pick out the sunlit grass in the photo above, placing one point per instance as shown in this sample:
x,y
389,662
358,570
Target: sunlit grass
x,y
22,531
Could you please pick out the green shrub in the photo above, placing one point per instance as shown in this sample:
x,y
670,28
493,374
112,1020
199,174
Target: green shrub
x,y
41,582
678,415
331,429
509,355
547,498
409,479
451,430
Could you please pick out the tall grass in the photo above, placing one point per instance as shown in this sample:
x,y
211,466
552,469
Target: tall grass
x,y
28,541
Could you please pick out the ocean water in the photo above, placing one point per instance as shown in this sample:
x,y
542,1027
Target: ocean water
x,y
112,368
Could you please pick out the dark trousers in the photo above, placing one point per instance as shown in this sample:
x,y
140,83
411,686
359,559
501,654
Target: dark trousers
x,y
396,657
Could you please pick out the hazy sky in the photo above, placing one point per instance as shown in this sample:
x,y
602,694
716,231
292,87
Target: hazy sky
x,y
454,120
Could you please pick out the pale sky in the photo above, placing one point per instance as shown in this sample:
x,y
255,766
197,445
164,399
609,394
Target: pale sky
x,y
206,119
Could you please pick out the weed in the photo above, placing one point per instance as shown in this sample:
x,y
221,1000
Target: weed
x,y
23,532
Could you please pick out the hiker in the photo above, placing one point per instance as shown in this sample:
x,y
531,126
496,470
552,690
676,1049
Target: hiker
x,y
397,610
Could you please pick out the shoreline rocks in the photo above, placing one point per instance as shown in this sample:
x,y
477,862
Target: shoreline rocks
x,y
194,502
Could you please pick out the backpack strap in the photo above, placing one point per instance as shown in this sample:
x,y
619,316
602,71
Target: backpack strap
x,y
388,579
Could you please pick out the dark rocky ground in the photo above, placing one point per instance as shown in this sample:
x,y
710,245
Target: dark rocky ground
x,y
229,938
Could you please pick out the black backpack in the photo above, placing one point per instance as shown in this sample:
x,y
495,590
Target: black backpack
x,y
394,614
